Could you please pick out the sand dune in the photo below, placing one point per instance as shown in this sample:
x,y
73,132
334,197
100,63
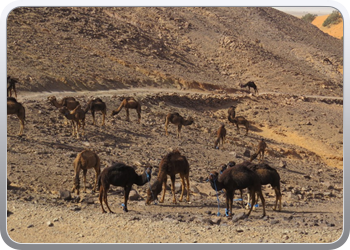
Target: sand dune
x,y
333,30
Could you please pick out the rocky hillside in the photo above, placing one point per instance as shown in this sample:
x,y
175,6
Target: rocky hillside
x,y
207,48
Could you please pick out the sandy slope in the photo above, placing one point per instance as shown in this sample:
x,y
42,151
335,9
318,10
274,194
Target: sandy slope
x,y
333,30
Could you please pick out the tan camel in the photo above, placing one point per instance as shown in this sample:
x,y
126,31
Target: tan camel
x,y
177,119
240,120
14,107
220,134
173,163
11,86
75,116
96,105
260,151
129,103
85,160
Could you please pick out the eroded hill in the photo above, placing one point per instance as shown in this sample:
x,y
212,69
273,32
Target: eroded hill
x,y
207,48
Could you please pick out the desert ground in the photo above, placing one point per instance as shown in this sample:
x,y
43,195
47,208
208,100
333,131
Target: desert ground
x,y
193,61
303,146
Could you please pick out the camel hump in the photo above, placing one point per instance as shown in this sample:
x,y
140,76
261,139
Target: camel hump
x,y
11,99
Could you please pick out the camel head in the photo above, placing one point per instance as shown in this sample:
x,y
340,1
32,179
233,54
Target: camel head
x,y
213,178
114,112
51,99
222,168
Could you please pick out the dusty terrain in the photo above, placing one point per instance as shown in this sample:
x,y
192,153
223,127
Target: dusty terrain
x,y
191,61
304,148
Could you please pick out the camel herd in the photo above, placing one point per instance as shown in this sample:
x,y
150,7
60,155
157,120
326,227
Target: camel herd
x,y
230,177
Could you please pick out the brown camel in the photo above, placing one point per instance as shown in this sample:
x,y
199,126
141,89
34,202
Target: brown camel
x,y
237,177
77,118
220,134
240,120
250,84
68,102
260,151
96,105
85,160
231,112
268,175
122,176
14,107
129,103
173,163
177,119
11,86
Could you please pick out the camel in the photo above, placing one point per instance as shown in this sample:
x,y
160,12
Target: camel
x,y
171,164
120,175
129,103
177,119
68,102
268,175
260,151
237,177
85,160
240,120
231,112
12,86
221,134
250,84
14,107
96,105
75,116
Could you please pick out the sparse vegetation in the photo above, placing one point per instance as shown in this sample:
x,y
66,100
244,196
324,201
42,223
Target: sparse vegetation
x,y
333,18
309,17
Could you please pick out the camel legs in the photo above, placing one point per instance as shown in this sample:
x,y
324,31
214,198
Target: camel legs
x,y
172,177
93,117
179,130
126,196
127,114
252,195
103,195
103,117
166,126
278,198
229,201
164,188
84,179
139,116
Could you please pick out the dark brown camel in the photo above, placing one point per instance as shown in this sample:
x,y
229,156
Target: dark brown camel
x,y
237,177
77,118
11,86
260,151
173,163
85,160
220,135
268,175
120,175
129,103
14,107
240,120
250,84
177,119
96,105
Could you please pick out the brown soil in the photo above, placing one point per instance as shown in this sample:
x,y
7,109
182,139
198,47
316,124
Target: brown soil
x,y
40,165
186,60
